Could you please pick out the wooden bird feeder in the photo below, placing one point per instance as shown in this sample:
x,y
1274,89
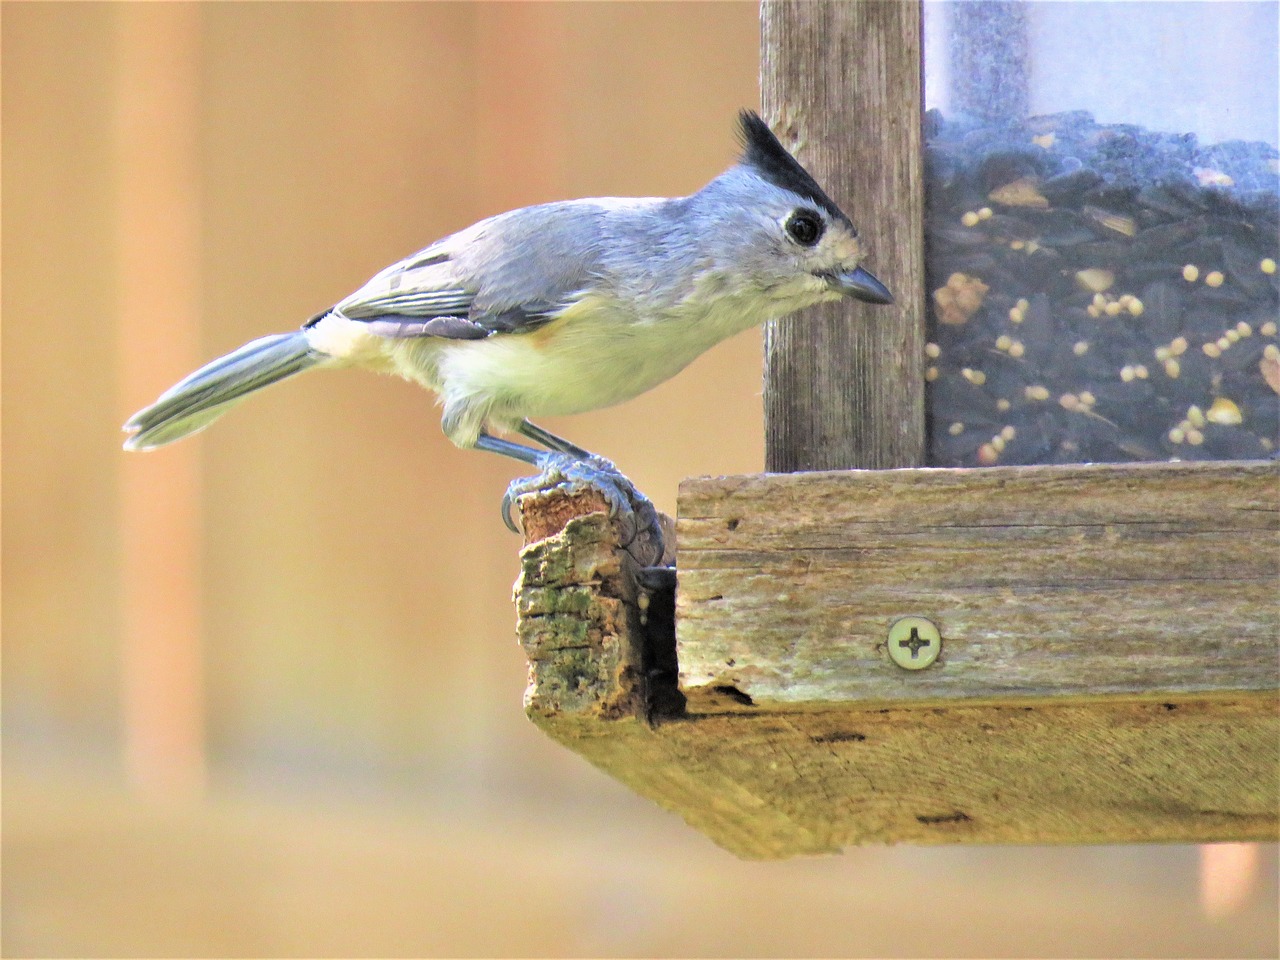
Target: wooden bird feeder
x,y
1104,667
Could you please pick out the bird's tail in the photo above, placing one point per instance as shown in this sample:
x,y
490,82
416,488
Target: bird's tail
x,y
195,402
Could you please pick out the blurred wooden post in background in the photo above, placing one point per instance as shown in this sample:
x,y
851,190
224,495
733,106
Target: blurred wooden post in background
x,y
841,86
158,162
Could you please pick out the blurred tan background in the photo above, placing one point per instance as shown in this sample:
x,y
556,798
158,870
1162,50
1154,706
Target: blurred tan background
x,y
261,691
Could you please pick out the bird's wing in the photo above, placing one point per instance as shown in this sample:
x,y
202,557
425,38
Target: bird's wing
x,y
500,276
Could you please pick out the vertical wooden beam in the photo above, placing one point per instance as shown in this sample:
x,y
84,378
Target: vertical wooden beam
x,y
158,249
841,85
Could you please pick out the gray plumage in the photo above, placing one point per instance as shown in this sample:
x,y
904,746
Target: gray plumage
x,y
563,307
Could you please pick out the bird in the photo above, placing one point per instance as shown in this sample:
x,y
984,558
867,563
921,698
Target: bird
x,y
561,308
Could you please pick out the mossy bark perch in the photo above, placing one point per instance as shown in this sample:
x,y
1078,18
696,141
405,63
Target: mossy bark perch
x,y
582,606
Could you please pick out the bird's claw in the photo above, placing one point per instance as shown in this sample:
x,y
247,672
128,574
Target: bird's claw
x,y
640,531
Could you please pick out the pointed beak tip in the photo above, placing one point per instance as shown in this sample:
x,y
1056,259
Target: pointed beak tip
x,y
862,285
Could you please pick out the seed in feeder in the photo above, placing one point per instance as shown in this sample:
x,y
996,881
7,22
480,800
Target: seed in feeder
x,y
1223,343
1016,349
1109,220
1113,309
1268,329
1212,350
1195,437
1080,348
959,299
1036,392
956,429
932,350
985,213
1023,304
1214,278
1244,329
1191,273
1135,307
1004,342
1126,373
1016,244
1069,401
1267,266
1016,314
1100,301
1195,416
997,443
1095,279
1140,371
1044,140
1178,346
987,455
1163,353
1225,412
1008,433
931,374
1177,435
1270,370
1269,366
1232,335
970,218
1087,398
1092,310
1019,193
1209,177
1003,405
976,377
1172,369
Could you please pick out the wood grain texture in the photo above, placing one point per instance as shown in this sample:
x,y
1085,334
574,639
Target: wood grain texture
x,y
840,85
807,742
1044,581
773,783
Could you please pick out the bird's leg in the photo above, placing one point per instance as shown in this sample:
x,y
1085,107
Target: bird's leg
x,y
551,441
571,468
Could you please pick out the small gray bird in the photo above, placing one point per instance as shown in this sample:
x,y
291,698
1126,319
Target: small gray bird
x,y
562,307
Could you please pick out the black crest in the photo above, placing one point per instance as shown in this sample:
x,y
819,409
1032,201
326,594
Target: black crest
x,y
768,157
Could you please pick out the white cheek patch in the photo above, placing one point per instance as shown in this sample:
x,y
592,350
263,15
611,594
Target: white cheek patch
x,y
345,339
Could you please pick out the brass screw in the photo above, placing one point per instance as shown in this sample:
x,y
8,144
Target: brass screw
x,y
914,642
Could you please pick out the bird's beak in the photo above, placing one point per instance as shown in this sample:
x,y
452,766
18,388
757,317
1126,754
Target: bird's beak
x,y
861,285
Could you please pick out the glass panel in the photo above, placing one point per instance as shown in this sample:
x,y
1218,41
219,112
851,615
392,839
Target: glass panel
x,y
1102,223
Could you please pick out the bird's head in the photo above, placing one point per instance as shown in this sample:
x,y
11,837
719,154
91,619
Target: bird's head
x,y
782,228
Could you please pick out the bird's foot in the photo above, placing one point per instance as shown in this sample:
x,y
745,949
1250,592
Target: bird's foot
x,y
640,530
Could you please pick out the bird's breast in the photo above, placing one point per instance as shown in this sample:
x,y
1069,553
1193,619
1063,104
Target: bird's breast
x,y
595,354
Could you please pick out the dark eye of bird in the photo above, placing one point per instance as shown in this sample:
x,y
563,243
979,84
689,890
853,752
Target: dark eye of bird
x,y
805,227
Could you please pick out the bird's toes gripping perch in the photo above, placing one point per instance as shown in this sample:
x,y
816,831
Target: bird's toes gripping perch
x,y
640,530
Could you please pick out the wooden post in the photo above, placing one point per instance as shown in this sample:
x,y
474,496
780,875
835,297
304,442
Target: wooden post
x,y
158,296
841,86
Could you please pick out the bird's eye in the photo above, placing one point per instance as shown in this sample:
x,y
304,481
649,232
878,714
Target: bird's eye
x,y
805,227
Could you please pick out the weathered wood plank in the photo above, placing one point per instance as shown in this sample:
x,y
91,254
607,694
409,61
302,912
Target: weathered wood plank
x,y
840,84
767,784
1044,581
1027,746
